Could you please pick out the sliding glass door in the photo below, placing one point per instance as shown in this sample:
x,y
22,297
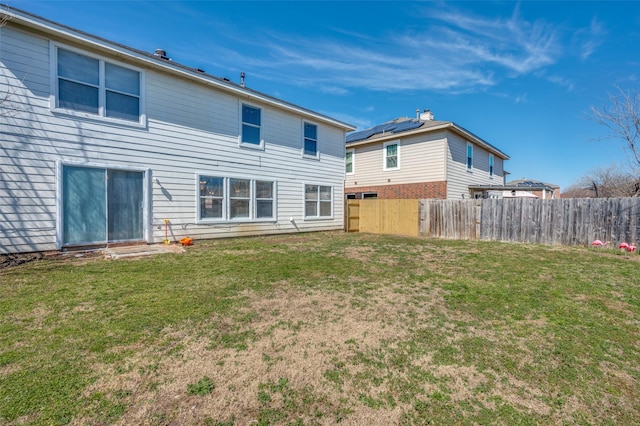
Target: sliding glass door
x,y
101,205
125,202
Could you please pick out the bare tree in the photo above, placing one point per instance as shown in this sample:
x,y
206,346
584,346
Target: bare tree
x,y
577,191
605,182
622,117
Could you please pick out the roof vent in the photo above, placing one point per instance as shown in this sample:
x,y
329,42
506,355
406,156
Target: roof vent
x,y
242,75
162,54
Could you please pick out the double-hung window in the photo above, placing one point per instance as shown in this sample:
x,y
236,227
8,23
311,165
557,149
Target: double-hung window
x,y
251,122
90,85
349,162
235,199
239,198
391,155
491,165
469,157
310,148
264,199
212,197
318,201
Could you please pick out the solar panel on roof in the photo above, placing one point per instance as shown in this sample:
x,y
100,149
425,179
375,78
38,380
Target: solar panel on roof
x,y
392,127
357,136
407,125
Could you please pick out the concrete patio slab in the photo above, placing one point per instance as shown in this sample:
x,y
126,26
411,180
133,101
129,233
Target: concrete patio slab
x,y
141,250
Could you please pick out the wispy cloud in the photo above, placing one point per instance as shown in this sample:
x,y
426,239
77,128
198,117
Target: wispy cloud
x,y
567,83
513,44
521,99
452,51
586,41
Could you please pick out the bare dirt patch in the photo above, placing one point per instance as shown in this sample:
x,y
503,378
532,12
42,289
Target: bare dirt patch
x,y
9,260
77,257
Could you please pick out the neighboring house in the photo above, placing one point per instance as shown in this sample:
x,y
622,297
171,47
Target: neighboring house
x,y
521,188
101,144
419,158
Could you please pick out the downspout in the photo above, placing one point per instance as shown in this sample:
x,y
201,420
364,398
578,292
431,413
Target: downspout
x,y
446,163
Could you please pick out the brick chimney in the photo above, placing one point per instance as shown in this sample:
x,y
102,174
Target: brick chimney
x,y
427,115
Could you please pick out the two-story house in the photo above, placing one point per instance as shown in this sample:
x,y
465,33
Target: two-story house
x,y
419,158
103,144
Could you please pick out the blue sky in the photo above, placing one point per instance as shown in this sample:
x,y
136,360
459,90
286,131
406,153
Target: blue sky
x,y
521,75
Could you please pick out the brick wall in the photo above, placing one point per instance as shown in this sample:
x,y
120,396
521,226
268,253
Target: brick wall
x,y
403,191
548,195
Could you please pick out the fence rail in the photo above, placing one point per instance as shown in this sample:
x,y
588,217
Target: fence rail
x,y
572,221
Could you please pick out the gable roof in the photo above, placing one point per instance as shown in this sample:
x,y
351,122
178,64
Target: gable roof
x,y
404,126
531,184
520,184
156,62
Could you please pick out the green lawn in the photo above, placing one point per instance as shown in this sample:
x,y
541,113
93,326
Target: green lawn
x,y
324,328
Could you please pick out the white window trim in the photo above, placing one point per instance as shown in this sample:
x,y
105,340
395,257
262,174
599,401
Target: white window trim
x,y
353,161
302,153
384,155
492,166
259,146
226,203
466,157
53,77
314,218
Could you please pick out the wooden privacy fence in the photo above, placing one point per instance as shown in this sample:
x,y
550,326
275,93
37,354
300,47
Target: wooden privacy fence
x,y
572,221
452,219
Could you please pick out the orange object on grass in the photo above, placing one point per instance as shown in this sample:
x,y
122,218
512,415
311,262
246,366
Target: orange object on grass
x,y
187,241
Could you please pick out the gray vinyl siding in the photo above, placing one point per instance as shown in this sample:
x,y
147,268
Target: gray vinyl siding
x,y
422,158
191,128
459,178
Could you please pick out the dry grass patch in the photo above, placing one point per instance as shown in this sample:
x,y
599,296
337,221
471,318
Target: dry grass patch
x,y
299,336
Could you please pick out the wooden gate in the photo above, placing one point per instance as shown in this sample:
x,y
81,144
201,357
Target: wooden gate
x,y
352,215
400,217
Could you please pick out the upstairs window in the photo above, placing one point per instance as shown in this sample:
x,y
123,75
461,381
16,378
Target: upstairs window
x,y
490,165
469,157
251,126
78,82
90,85
391,156
122,87
310,140
349,169
318,201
